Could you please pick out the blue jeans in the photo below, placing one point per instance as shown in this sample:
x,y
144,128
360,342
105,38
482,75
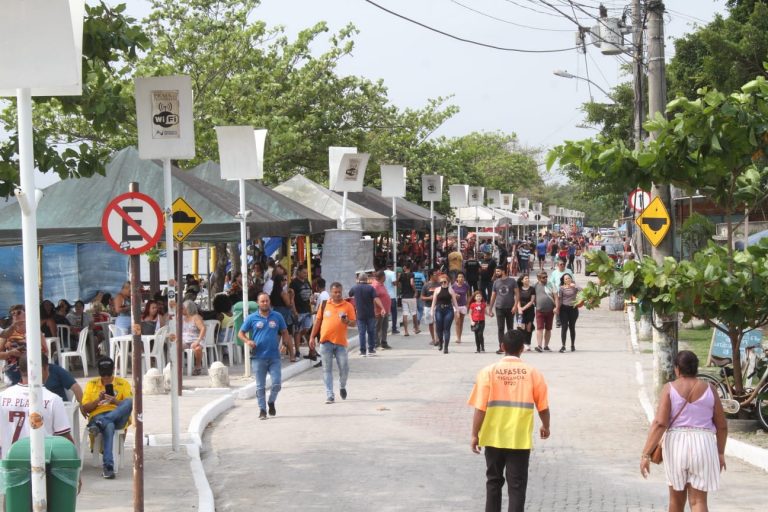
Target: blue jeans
x,y
393,312
443,321
366,329
260,368
108,422
330,351
420,309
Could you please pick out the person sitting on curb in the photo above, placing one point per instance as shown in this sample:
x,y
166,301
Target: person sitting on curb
x,y
108,402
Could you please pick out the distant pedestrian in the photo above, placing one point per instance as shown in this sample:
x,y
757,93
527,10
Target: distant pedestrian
x,y
541,253
504,398
408,296
569,306
427,293
261,331
546,297
382,317
390,283
477,318
443,309
526,310
455,261
487,271
331,325
503,304
461,289
696,432
367,303
523,256
472,273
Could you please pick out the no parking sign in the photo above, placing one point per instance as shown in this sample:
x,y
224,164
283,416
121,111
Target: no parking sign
x,y
132,223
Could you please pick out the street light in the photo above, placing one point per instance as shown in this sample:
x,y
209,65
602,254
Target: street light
x,y
565,74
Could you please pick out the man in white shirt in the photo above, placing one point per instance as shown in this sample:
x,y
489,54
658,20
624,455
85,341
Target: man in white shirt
x,y
15,418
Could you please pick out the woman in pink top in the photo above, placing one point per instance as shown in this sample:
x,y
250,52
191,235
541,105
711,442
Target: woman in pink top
x,y
694,445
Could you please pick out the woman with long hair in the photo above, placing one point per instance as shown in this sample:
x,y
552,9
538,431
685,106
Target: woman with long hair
x,y
443,308
569,309
527,309
122,309
461,289
193,333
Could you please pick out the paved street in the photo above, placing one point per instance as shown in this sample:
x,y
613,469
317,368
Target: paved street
x,y
401,439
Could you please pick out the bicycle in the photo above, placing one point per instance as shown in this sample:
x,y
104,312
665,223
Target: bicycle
x,y
753,398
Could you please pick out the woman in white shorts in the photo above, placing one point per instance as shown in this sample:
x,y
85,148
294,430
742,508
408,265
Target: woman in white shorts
x,y
694,443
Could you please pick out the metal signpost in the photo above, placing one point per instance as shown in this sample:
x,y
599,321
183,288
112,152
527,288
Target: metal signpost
x,y
241,150
166,131
346,168
393,185
431,190
132,224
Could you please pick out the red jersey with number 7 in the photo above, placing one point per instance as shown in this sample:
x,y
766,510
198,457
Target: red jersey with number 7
x,y
14,415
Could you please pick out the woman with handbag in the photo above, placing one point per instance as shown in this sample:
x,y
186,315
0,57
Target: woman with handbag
x,y
690,430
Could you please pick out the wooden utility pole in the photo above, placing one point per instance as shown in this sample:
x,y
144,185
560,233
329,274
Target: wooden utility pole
x,y
138,406
664,337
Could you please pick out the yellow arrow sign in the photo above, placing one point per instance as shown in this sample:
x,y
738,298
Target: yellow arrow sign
x,y
185,219
654,221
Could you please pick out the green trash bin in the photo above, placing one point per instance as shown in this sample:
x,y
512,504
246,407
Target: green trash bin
x,y
62,468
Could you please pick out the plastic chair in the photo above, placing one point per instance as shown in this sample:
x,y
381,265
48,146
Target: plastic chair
x,y
81,352
211,334
229,343
158,350
73,409
111,333
118,445
62,332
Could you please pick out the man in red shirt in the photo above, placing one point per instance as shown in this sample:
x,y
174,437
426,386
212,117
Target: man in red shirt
x,y
382,318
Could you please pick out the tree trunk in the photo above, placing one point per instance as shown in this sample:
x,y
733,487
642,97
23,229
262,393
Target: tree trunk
x,y
738,382
219,269
664,351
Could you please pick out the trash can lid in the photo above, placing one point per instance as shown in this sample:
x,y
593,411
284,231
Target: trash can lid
x,y
57,449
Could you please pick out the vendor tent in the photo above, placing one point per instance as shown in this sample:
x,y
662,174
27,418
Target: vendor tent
x,y
304,220
514,218
70,211
409,215
328,203
480,216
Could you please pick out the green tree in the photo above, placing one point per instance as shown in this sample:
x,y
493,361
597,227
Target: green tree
x,y
716,144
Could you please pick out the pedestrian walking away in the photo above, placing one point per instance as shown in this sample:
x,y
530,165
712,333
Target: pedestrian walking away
x,y
569,305
443,309
503,304
302,300
477,318
556,277
261,331
526,309
504,397
390,283
367,306
691,426
546,297
382,316
333,319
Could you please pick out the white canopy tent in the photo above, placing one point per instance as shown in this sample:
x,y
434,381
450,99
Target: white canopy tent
x,y
514,219
480,216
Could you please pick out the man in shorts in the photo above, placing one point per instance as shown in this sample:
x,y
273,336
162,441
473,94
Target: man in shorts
x,y
541,253
302,300
426,295
408,296
546,303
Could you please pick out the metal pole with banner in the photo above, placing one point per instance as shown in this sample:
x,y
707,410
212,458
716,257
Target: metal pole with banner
x,y
393,185
166,131
346,171
432,190
241,150
476,199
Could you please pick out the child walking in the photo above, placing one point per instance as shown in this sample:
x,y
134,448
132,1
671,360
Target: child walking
x,y
477,318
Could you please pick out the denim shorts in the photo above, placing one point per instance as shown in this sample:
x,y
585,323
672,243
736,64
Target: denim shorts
x,y
304,322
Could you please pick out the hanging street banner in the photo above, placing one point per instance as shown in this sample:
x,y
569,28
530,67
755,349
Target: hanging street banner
x,y
185,219
654,221
132,223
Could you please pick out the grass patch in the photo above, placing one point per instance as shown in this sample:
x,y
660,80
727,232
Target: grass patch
x,y
697,340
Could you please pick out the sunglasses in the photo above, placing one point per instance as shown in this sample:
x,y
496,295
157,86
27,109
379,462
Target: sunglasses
x,y
443,282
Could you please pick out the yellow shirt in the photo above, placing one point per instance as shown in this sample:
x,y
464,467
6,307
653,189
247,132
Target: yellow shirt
x,y
94,387
508,391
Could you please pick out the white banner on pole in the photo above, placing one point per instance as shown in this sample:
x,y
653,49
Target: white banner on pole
x,y
507,202
523,204
164,117
459,195
494,198
241,152
335,154
350,173
476,196
392,181
38,51
431,187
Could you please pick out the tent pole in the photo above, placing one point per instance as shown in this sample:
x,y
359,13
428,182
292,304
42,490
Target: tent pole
x,y
308,244
432,233
27,196
171,293
344,210
477,233
394,232
244,268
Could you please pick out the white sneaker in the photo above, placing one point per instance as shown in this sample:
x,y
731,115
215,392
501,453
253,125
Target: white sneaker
x,y
363,354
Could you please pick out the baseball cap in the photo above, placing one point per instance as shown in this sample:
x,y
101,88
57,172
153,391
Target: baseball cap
x,y
106,367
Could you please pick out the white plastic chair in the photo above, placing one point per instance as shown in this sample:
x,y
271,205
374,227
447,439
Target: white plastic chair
x,y
97,447
209,342
81,352
158,350
111,333
73,410
229,343
62,332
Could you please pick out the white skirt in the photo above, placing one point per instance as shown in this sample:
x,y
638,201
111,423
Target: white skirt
x,y
690,457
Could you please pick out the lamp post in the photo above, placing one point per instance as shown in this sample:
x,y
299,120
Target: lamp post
x,y
564,74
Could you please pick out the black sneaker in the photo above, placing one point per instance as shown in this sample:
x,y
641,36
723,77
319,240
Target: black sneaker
x,y
385,346
538,349
343,393
562,349
262,414
272,410
108,473
499,352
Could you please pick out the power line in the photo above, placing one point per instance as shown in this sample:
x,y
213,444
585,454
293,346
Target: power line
x,y
464,40
509,22
529,8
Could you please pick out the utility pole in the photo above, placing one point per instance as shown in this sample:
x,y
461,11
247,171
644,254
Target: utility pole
x,y
665,337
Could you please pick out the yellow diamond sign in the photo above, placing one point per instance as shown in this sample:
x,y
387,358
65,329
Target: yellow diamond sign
x,y
654,222
185,219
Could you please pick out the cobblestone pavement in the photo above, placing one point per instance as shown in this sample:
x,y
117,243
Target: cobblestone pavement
x,y
401,439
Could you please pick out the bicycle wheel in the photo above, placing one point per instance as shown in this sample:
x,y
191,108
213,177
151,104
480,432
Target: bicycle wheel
x,y
720,387
761,403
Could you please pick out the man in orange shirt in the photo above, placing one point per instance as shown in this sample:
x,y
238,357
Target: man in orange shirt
x,y
333,318
504,398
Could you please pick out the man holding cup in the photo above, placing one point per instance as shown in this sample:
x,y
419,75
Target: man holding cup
x,y
333,318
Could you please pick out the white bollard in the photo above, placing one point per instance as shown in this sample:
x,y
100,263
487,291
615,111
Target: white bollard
x,y
153,382
167,377
219,375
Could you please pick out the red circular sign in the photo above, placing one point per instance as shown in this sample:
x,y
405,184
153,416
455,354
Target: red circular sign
x,y
132,223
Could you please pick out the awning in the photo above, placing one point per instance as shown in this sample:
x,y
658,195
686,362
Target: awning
x,y
409,215
480,216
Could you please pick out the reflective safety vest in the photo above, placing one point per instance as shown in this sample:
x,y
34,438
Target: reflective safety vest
x,y
508,392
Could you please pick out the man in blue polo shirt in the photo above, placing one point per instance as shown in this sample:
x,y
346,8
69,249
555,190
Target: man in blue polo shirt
x,y
261,331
